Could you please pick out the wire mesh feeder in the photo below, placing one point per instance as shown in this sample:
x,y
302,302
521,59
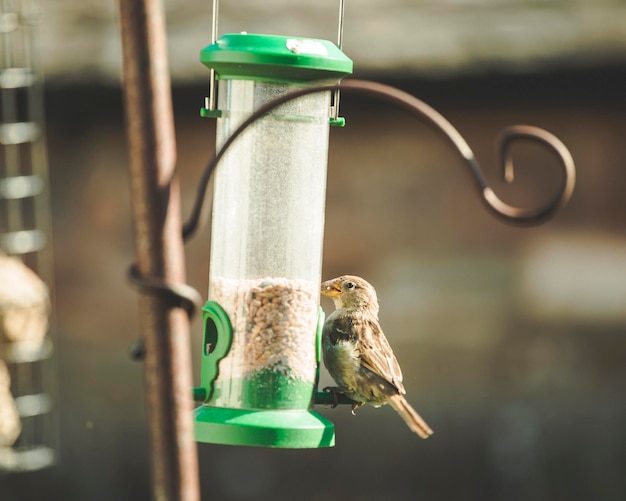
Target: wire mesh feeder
x,y
28,428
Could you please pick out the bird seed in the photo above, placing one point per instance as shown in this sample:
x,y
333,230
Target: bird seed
x,y
274,322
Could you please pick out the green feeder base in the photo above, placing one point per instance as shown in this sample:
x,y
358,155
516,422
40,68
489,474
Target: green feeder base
x,y
288,429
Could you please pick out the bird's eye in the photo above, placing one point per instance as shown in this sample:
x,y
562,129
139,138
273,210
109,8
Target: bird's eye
x,y
350,285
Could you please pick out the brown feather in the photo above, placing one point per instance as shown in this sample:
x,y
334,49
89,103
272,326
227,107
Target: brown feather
x,y
413,420
376,352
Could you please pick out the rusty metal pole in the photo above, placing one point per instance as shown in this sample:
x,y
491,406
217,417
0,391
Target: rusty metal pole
x,y
159,246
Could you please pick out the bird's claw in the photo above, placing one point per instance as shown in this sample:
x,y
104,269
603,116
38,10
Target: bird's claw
x,y
355,406
336,391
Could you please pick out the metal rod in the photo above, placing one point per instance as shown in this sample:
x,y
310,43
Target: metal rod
x,y
159,247
212,83
419,109
340,28
337,93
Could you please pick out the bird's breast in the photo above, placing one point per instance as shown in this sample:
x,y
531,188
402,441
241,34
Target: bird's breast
x,y
342,360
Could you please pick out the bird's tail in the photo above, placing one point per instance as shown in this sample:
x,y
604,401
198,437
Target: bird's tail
x,y
410,416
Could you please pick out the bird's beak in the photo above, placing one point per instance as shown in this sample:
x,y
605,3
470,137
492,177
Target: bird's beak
x,y
330,289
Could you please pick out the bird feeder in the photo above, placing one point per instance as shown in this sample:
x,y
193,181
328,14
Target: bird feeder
x,y
262,322
28,377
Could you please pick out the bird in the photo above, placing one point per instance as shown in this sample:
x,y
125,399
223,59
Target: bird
x,y
357,354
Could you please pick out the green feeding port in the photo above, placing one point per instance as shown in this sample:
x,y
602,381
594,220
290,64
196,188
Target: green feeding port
x,y
262,323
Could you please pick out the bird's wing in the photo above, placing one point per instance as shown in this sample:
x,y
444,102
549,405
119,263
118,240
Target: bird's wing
x,y
376,353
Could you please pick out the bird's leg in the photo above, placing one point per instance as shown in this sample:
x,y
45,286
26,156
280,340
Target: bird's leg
x,y
355,406
336,391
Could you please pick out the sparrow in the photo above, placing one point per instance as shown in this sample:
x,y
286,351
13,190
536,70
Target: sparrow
x,y
357,354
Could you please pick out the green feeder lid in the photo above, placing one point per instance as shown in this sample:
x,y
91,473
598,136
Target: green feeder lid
x,y
243,56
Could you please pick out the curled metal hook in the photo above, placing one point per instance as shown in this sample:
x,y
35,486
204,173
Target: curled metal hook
x,y
545,138
421,110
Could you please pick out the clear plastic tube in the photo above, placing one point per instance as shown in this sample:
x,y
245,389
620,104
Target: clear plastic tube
x,y
266,244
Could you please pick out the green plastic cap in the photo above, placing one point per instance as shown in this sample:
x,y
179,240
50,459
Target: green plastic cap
x,y
243,56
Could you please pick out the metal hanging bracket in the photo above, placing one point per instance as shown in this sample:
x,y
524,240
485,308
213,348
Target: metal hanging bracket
x,y
210,109
335,119
210,102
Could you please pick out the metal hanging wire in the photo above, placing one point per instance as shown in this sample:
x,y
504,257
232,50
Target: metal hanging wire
x,y
28,392
210,102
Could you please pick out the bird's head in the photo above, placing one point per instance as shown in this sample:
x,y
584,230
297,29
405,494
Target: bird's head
x,y
351,292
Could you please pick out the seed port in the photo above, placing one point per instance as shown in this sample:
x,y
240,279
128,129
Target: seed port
x,y
210,336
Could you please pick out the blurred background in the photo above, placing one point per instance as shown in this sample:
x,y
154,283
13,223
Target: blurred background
x,y
509,338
